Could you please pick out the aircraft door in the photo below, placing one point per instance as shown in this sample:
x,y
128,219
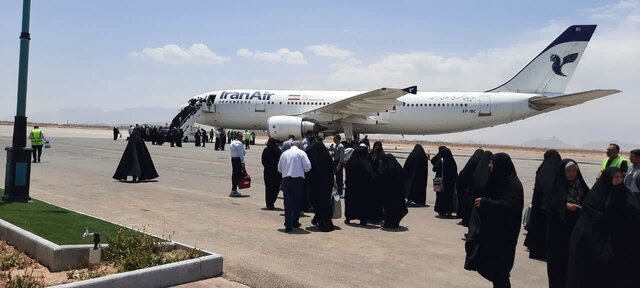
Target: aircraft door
x,y
260,106
211,106
485,106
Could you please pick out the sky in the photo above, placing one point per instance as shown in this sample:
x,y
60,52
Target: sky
x,y
117,54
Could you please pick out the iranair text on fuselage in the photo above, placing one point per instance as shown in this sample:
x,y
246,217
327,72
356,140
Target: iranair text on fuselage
x,y
246,95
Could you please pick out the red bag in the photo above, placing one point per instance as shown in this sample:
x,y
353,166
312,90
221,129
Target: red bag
x,y
245,182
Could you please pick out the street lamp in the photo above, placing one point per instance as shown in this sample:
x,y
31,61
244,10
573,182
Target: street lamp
x,y
18,171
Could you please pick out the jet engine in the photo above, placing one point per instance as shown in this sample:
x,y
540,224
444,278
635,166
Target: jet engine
x,y
280,127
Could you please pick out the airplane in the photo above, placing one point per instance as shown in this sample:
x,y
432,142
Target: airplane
x,y
538,88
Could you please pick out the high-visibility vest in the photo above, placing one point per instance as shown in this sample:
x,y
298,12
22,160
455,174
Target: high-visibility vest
x,y
615,163
247,136
36,138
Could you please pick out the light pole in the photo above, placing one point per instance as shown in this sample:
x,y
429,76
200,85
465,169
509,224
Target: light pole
x,y
18,171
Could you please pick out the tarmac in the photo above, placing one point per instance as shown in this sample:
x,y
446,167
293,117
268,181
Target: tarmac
x,y
189,202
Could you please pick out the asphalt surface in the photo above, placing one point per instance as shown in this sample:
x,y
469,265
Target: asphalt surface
x,y
190,203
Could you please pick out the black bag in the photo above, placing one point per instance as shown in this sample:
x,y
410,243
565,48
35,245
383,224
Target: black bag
x,y
472,242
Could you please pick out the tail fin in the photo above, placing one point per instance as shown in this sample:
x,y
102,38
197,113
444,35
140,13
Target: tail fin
x,y
551,70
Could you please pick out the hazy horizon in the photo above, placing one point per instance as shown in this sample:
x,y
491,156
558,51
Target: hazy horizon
x,y
154,55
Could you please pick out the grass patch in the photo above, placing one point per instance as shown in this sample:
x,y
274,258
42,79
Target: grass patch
x,y
53,223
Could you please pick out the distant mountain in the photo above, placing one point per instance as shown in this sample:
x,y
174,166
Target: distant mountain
x,y
602,145
92,115
553,142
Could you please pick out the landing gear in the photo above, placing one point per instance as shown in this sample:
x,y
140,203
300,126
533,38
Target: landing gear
x,y
347,127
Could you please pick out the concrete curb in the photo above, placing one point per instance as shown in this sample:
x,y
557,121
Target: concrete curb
x,y
53,256
61,258
160,276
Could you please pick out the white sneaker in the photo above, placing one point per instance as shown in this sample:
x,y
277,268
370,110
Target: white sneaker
x,y
235,194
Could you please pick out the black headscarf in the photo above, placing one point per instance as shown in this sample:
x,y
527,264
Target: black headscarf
x,y
558,198
450,166
436,158
481,175
416,171
375,157
271,156
465,176
545,179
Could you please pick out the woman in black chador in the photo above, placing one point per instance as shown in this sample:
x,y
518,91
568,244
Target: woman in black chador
x,y
136,160
464,185
360,186
374,197
272,178
499,212
415,169
320,185
604,248
537,226
446,168
563,208
391,184
197,138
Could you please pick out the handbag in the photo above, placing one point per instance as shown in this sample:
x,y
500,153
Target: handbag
x,y
47,144
437,184
527,217
336,205
245,181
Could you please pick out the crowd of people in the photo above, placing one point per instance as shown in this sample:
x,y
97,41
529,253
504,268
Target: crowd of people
x,y
586,235
156,134
160,134
309,173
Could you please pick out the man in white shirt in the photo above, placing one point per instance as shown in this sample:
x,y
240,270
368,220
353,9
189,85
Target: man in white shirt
x,y
237,164
631,180
339,162
293,164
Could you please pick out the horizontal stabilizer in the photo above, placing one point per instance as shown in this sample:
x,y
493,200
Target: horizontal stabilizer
x,y
542,103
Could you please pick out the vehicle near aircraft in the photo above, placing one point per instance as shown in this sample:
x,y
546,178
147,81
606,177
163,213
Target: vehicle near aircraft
x,y
538,88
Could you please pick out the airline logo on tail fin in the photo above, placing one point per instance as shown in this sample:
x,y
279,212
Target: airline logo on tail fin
x,y
557,65
411,90
542,77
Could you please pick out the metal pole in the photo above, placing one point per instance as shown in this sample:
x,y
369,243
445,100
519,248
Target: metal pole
x,y
18,173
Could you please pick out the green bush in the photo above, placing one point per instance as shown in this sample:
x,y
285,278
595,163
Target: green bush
x,y
131,250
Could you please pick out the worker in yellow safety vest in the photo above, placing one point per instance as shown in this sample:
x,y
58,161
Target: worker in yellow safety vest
x,y
37,141
246,136
614,160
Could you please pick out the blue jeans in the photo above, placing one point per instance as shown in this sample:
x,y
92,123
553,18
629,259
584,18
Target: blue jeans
x,y
293,195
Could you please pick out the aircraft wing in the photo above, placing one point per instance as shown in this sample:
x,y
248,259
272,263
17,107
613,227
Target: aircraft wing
x,y
541,103
366,104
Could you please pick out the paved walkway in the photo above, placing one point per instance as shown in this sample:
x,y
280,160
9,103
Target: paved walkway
x,y
189,202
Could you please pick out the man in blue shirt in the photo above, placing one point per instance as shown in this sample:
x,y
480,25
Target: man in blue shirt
x,y
631,180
